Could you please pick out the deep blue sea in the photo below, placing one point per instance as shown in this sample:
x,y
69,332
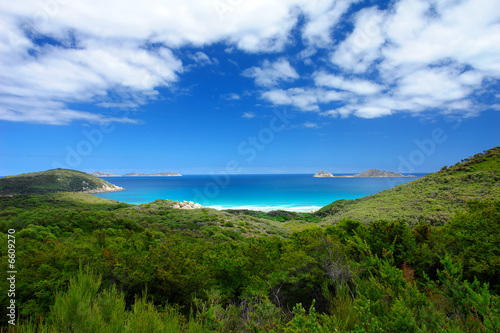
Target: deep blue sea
x,y
259,192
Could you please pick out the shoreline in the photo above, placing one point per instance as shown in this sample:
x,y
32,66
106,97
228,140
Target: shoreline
x,y
296,209
104,189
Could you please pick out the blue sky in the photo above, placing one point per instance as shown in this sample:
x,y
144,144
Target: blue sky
x,y
247,86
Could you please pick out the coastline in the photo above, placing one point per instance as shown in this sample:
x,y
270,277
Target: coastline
x,y
296,209
104,189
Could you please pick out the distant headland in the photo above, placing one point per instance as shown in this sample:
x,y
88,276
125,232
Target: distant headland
x,y
372,173
135,174
54,181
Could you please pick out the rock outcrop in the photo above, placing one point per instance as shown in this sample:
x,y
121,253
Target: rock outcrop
x,y
105,188
187,205
323,174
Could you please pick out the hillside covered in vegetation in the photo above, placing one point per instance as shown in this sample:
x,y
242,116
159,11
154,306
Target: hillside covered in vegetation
x,y
87,264
53,181
433,198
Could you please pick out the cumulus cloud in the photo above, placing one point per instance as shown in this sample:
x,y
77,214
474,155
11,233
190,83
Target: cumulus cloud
x,y
322,17
362,47
357,86
366,112
272,73
304,99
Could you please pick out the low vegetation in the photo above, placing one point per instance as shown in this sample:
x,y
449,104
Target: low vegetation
x,y
96,265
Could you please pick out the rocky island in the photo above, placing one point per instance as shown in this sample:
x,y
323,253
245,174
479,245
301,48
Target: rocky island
x,y
322,174
372,173
378,173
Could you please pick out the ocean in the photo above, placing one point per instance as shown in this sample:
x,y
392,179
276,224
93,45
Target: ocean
x,y
301,193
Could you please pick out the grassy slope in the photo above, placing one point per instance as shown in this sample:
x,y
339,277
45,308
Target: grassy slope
x,y
51,181
433,198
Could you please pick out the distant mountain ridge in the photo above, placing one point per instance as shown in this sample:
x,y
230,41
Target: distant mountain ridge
x,y
136,174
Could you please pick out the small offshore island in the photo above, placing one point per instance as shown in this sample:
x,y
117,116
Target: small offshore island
x,y
372,173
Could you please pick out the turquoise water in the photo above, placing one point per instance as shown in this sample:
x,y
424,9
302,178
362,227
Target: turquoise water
x,y
259,192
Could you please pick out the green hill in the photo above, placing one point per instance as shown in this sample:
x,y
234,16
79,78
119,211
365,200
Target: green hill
x,y
52,181
433,198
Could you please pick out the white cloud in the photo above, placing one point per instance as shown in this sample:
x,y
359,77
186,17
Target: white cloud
x,y
441,84
309,124
272,73
322,16
303,99
201,58
54,116
174,23
467,32
231,97
362,111
248,115
358,86
360,49
371,112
